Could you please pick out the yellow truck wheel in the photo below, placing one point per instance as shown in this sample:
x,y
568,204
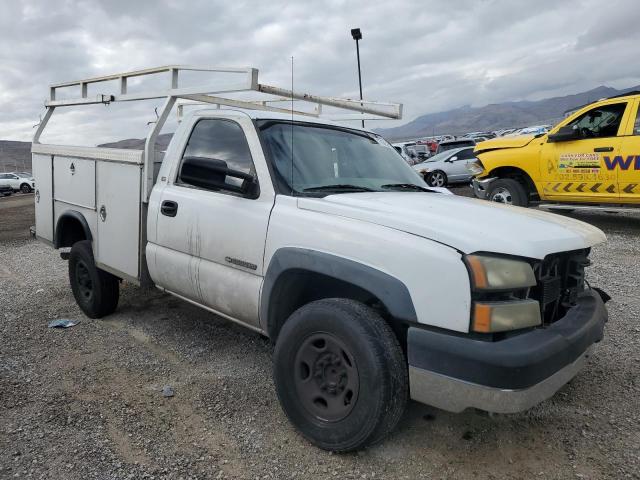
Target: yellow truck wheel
x,y
508,191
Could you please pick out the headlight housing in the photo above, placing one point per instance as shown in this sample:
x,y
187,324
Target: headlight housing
x,y
499,303
475,167
491,317
499,273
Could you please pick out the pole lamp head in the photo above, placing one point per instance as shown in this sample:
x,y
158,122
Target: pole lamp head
x,y
356,34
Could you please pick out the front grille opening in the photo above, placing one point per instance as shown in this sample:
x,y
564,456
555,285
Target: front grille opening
x,y
561,278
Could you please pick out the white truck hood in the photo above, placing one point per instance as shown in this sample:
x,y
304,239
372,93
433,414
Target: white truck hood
x,y
466,224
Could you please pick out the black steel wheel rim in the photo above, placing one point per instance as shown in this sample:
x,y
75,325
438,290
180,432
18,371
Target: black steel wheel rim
x,y
326,377
83,278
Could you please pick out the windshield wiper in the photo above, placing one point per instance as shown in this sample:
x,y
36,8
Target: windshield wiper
x,y
405,186
339,187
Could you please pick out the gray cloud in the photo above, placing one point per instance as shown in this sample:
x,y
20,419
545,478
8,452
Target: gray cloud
x,y
430,56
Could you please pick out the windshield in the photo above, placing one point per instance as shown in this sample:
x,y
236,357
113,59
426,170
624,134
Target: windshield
x,y
451,145
309,157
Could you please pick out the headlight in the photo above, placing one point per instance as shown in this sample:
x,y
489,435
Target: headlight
x,y
504,316
499,273
498,307
475,167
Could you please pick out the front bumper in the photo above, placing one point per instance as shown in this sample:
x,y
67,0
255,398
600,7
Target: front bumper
x,y
456,372
481,186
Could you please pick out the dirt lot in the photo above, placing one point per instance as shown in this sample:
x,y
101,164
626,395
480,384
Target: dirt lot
x,y
85,403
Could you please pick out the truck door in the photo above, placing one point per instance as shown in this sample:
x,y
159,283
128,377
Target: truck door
x,y
210,242
580,169
628,165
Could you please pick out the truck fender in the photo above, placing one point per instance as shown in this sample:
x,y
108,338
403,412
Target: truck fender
x,y
61,237
389,290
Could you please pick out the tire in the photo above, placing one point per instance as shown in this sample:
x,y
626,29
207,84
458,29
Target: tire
x,y
25,188
508,191
340,374
96,291
437,178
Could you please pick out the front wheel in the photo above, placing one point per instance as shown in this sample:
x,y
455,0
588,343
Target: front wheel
x,y
96,291
340,374
508,191
437,179
25,188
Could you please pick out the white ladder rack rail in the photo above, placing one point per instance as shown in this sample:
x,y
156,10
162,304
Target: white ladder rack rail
x,y
210,94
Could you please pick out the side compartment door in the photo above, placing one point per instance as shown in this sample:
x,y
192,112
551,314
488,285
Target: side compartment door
x,y
118,207
628,164
42,166
210,241
580,169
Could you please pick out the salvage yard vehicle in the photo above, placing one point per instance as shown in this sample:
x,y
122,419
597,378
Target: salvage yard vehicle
x,y
17,182
447,167
373,288
5,189
590,159
457,143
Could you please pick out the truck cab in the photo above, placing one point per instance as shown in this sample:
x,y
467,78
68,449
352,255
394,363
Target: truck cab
x,y
591,157
373,287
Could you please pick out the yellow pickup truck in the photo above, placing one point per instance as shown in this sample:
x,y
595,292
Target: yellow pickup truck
x,y
591,157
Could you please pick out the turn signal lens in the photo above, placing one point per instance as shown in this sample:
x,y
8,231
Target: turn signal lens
x,y
492,317
499,273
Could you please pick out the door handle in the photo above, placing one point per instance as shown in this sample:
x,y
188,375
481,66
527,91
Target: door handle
x,y
603,149
169,208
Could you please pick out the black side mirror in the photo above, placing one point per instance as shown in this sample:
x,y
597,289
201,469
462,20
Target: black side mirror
x,y
565,134
212,173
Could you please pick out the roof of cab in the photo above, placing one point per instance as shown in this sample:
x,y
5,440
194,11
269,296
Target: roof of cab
x,y
266,115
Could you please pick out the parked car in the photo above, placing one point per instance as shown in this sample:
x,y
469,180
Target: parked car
x,y
447,167
406,151
458,143
18,183
5,189
422,151
373,288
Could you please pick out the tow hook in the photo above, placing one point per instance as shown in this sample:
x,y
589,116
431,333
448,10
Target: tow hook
x,y
603,295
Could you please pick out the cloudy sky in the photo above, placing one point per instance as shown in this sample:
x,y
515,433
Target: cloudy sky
x,y
429,55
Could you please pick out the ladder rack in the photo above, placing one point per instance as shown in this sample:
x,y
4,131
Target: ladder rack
x,y
260,97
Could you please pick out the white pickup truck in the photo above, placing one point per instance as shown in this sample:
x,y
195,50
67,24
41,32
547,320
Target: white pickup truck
x,y
373,287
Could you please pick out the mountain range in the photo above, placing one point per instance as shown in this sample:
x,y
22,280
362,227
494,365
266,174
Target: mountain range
x,y
497,115
16,155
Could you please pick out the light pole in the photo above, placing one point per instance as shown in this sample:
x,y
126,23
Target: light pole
x,y
357,36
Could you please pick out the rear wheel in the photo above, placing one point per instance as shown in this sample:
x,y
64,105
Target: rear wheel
x,y
340,374
437,179
96,291
508,191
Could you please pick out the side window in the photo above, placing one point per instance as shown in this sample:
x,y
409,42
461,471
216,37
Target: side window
x,y
600,122
636,126
4,176
217,157
466,154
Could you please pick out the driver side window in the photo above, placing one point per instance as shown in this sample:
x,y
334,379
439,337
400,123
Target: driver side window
x,y
220,142
600,122
636,126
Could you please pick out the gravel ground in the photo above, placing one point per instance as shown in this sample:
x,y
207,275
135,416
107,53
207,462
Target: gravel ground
x,y
86,402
